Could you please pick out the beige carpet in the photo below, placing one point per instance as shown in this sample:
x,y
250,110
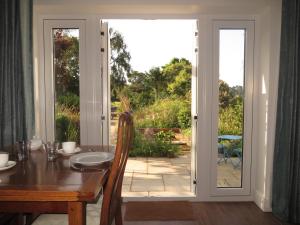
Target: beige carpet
x,y
159,211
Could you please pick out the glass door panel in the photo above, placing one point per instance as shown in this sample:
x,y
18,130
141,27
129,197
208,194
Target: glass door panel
x,y
66,83
233,48
231,108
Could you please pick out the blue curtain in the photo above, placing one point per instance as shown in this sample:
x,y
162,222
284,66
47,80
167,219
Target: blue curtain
x,y
16,71
286,168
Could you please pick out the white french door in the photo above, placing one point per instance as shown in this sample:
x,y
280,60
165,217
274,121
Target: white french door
x,y
233,49
105,82
73,105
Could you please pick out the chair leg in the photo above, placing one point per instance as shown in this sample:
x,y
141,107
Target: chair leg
x,y
118,217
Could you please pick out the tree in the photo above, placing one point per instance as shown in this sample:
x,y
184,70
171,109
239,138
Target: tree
x,y
119,63
138,90
157,82
178,75
224,94
66,62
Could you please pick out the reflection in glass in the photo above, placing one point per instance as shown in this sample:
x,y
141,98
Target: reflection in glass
x,y
66,79
231,107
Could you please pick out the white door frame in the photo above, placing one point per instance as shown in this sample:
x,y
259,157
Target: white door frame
x,y
204,83
49,25
248,26
90,81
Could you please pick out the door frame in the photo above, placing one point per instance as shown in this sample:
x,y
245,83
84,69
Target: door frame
x,y
248,26
204,95
48,26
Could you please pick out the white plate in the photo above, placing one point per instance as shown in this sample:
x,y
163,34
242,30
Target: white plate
x,y
61,151
91,158
9,165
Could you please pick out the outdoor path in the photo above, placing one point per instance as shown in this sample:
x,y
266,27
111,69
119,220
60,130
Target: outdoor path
x,y
167,177
157,177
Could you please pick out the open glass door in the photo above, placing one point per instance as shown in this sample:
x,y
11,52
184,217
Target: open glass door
x,y
105,84
194,114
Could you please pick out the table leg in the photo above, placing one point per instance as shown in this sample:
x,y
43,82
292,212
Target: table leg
x,y
77,213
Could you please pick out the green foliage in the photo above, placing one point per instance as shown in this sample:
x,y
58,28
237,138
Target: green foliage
x,y
164,113
184,116
67,124
171,80
139,95
120,63
174,67
180,85
69,100
66,62
231,119
153,147
229,95
166,136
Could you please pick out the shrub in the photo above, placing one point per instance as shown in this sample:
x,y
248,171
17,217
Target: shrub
x,y
67,124
184,117
159,146
166,136
69,100
231,119
164,113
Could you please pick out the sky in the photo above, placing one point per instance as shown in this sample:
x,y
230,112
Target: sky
x,y
153,43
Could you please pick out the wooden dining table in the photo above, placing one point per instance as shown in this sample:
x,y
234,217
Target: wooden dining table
x,y
36,186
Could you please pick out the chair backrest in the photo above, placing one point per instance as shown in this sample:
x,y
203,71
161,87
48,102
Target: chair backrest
x,y
111,204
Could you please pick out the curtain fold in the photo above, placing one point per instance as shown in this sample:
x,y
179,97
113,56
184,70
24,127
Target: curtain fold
x,y
286,167
16,120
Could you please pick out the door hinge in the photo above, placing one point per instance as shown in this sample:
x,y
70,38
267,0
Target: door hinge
x,y
102,117
194,182
195,117
196,49
102,33
196,33
102,49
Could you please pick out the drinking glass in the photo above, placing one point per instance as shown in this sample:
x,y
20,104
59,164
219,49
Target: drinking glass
x,y
22,150
51,150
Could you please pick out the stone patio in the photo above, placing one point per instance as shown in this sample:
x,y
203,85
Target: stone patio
x,y
167,177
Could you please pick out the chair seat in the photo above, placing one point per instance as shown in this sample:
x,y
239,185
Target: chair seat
x,y
92,216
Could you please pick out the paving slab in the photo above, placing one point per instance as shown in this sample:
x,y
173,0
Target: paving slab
x,y
177,183
168,168
186,158
136,165
147,182
168,177
127,178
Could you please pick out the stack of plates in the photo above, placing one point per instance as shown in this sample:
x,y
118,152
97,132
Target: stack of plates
x,y
91,161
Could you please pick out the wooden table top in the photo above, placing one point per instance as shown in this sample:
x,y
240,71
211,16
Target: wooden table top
x,y
36,179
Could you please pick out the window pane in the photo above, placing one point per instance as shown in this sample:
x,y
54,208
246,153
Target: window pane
x,y
231,107
66,80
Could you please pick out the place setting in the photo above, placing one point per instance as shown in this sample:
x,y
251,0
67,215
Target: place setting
x,y
91,161
69,148
79,160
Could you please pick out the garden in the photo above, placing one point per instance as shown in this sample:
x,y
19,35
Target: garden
x,y
160,99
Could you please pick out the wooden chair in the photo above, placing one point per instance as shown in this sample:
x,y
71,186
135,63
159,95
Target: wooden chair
x,y
112,201
111,206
